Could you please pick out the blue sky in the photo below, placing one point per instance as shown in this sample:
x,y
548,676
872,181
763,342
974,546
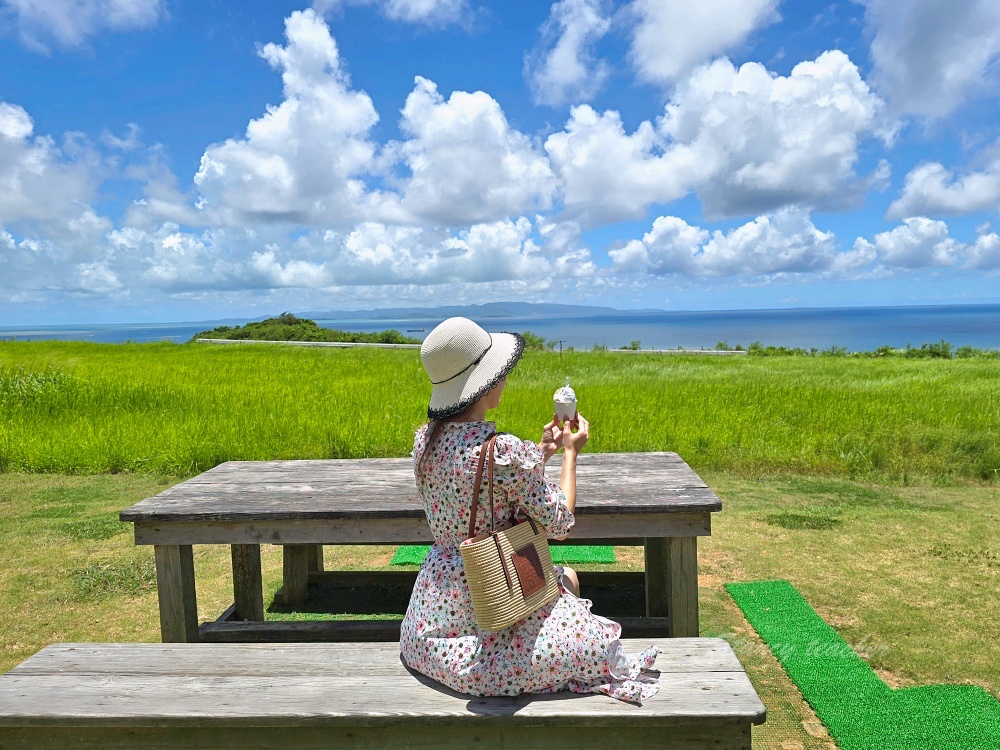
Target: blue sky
x,y
163,160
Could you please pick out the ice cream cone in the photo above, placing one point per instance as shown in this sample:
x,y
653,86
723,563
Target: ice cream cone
x,y
565,403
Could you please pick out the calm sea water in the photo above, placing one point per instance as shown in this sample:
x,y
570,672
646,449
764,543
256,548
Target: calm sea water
x,y
857,329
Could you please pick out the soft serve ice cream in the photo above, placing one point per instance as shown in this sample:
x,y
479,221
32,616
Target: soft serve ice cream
x,y
565,400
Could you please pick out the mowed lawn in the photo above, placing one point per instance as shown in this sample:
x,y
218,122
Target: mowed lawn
x,y
871,485
907,575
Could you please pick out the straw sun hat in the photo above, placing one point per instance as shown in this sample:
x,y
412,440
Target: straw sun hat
x,y
463,362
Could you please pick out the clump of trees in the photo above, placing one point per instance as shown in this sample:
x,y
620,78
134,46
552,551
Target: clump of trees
x,y
939,350
288,327
534,341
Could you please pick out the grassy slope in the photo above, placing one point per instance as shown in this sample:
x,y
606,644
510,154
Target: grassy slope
x,y
172,409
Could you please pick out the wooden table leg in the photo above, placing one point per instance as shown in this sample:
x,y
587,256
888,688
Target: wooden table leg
x,y
672,582
248,591
178,599
296,573
315,558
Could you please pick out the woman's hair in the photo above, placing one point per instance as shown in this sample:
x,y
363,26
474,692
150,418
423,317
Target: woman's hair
x,y
432,432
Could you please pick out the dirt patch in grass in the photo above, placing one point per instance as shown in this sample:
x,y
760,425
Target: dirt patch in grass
x,y
894,679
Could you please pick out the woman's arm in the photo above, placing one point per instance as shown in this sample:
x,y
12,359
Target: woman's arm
x,y
572,443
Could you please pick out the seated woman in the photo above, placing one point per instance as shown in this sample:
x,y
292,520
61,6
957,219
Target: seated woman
x,y
561,646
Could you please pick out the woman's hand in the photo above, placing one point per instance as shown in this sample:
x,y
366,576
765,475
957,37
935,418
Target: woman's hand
x,y
552,438
573,442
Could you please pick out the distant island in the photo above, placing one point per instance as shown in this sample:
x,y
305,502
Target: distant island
x,y
476,312
288,327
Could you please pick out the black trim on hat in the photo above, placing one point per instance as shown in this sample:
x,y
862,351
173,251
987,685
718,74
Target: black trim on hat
x,y
465,403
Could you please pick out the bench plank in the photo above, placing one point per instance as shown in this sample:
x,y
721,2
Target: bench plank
x,y
381,700
306,659
696,737
313,696
338,684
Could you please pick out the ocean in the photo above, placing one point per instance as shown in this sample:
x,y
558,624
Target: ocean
x,y
857,328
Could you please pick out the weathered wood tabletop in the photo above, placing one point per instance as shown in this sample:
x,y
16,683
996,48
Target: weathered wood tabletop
x,y
369,488
652,499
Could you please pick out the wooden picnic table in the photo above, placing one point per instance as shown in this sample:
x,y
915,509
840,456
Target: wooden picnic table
x,y
649,499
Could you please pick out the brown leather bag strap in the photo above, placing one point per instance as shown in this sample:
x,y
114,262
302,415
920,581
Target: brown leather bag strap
x,y
493,513
486,451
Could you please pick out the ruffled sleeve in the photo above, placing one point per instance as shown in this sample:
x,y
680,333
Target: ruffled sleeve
x,y
520,472
419,441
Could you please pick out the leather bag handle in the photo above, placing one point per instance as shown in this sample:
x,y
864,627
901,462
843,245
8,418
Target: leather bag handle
x,y
486,456
486,453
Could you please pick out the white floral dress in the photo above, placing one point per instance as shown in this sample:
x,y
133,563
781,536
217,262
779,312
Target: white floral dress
x,y
561,646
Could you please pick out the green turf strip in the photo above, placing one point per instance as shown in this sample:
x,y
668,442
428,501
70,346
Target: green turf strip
x,y
414,554
860,711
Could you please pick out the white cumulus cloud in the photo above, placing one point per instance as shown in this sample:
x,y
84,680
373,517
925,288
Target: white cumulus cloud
x,y
562,68
39,180
490,252
672,38
430,12
96,278
932,189
303,161
745,140
984,254
768,141
608,174
918,242
174,261
264,269
467,164
311,161
786,242
6,240
930,55
70,23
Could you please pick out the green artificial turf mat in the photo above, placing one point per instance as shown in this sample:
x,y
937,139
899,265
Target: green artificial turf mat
x,y
410,554
414,554
860,711
571,553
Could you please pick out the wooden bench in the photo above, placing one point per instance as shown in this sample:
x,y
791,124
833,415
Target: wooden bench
x,y
649,499
326,695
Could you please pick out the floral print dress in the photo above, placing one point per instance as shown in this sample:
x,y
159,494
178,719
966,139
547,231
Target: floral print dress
x,y
561,646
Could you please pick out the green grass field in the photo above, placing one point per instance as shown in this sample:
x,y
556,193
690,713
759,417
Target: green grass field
x,y
869,484
170,409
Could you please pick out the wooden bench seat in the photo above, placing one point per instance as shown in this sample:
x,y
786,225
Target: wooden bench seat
x,y
325,695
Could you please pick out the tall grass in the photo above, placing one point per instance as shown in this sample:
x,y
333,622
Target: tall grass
x,y
75,407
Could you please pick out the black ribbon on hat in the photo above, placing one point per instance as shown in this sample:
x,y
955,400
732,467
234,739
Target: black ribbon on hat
x,y
471,364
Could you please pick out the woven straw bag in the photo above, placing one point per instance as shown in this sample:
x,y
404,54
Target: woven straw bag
x,y
509,570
